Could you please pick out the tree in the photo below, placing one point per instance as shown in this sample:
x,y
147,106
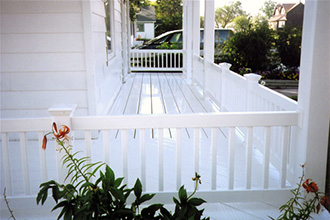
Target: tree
x,y
135,7
226,14
169,15
268,8
289,46
241,23
249,48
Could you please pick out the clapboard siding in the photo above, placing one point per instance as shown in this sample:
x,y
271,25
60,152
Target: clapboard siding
x,y
98,23
98,8
42,43
108,77
43,57
42,62
54,52
44,99
9,6
42,23
47,81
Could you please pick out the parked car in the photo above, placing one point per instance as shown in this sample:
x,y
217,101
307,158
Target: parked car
x,y
173,39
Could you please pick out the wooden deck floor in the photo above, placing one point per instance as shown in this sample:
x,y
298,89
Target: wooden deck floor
x,y
160,93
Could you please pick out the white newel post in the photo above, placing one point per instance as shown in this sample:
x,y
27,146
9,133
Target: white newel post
x,y
208,40
314,92
225,70
252,81
62,116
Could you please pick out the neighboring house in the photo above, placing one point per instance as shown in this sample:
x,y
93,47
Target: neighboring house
x,y
291,15
145,23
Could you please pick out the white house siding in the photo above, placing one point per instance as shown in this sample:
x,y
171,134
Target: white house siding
x,y
42,57
53,52
107,77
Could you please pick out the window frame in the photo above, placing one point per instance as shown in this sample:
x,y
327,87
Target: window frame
x,y
110,53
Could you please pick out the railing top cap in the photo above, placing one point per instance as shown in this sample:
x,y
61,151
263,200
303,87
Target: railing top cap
x,y
252,77
62,110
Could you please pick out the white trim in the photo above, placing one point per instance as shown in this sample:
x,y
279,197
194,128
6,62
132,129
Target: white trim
x,y
89,58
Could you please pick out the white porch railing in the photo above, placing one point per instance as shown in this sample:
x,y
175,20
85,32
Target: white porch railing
x,y
156,60
225,159
235,93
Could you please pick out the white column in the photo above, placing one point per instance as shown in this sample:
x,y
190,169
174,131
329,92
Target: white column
x,y
189,38
209,30
208,39
195,32
184,36
314,91
187,25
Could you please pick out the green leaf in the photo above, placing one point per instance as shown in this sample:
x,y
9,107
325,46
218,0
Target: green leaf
x,y
151,210
166,214
182,194
118,194
146,197
56,193
118,181
196,201
110,175
138,188
176,201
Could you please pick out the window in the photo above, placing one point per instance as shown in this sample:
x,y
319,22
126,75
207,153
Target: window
x,y
140,27
109,28
277,12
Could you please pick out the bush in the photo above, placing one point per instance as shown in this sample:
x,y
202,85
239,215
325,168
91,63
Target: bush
x,y
289,46
249,49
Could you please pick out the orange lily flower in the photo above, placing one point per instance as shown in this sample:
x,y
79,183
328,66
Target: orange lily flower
x,y
325,201
310,186
44,142
62,133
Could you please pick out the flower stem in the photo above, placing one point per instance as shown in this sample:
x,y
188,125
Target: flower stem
x,y
196,185
72,159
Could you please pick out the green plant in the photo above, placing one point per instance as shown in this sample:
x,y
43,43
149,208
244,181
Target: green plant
x,y
106,197
249,48
288,43
172,46
303,204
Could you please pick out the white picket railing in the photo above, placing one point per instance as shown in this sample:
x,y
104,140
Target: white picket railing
x,y
235,93
156,60
143,149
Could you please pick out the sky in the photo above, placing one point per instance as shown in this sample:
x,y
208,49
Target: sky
x,y
250,6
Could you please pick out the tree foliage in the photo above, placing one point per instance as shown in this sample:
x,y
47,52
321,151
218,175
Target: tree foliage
x,y
249,48
289,46
135,7
169,15
226,14
268,8
241,23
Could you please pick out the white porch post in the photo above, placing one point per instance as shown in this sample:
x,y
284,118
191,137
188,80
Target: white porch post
x,y
195,32
208,39
314,91
187,36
